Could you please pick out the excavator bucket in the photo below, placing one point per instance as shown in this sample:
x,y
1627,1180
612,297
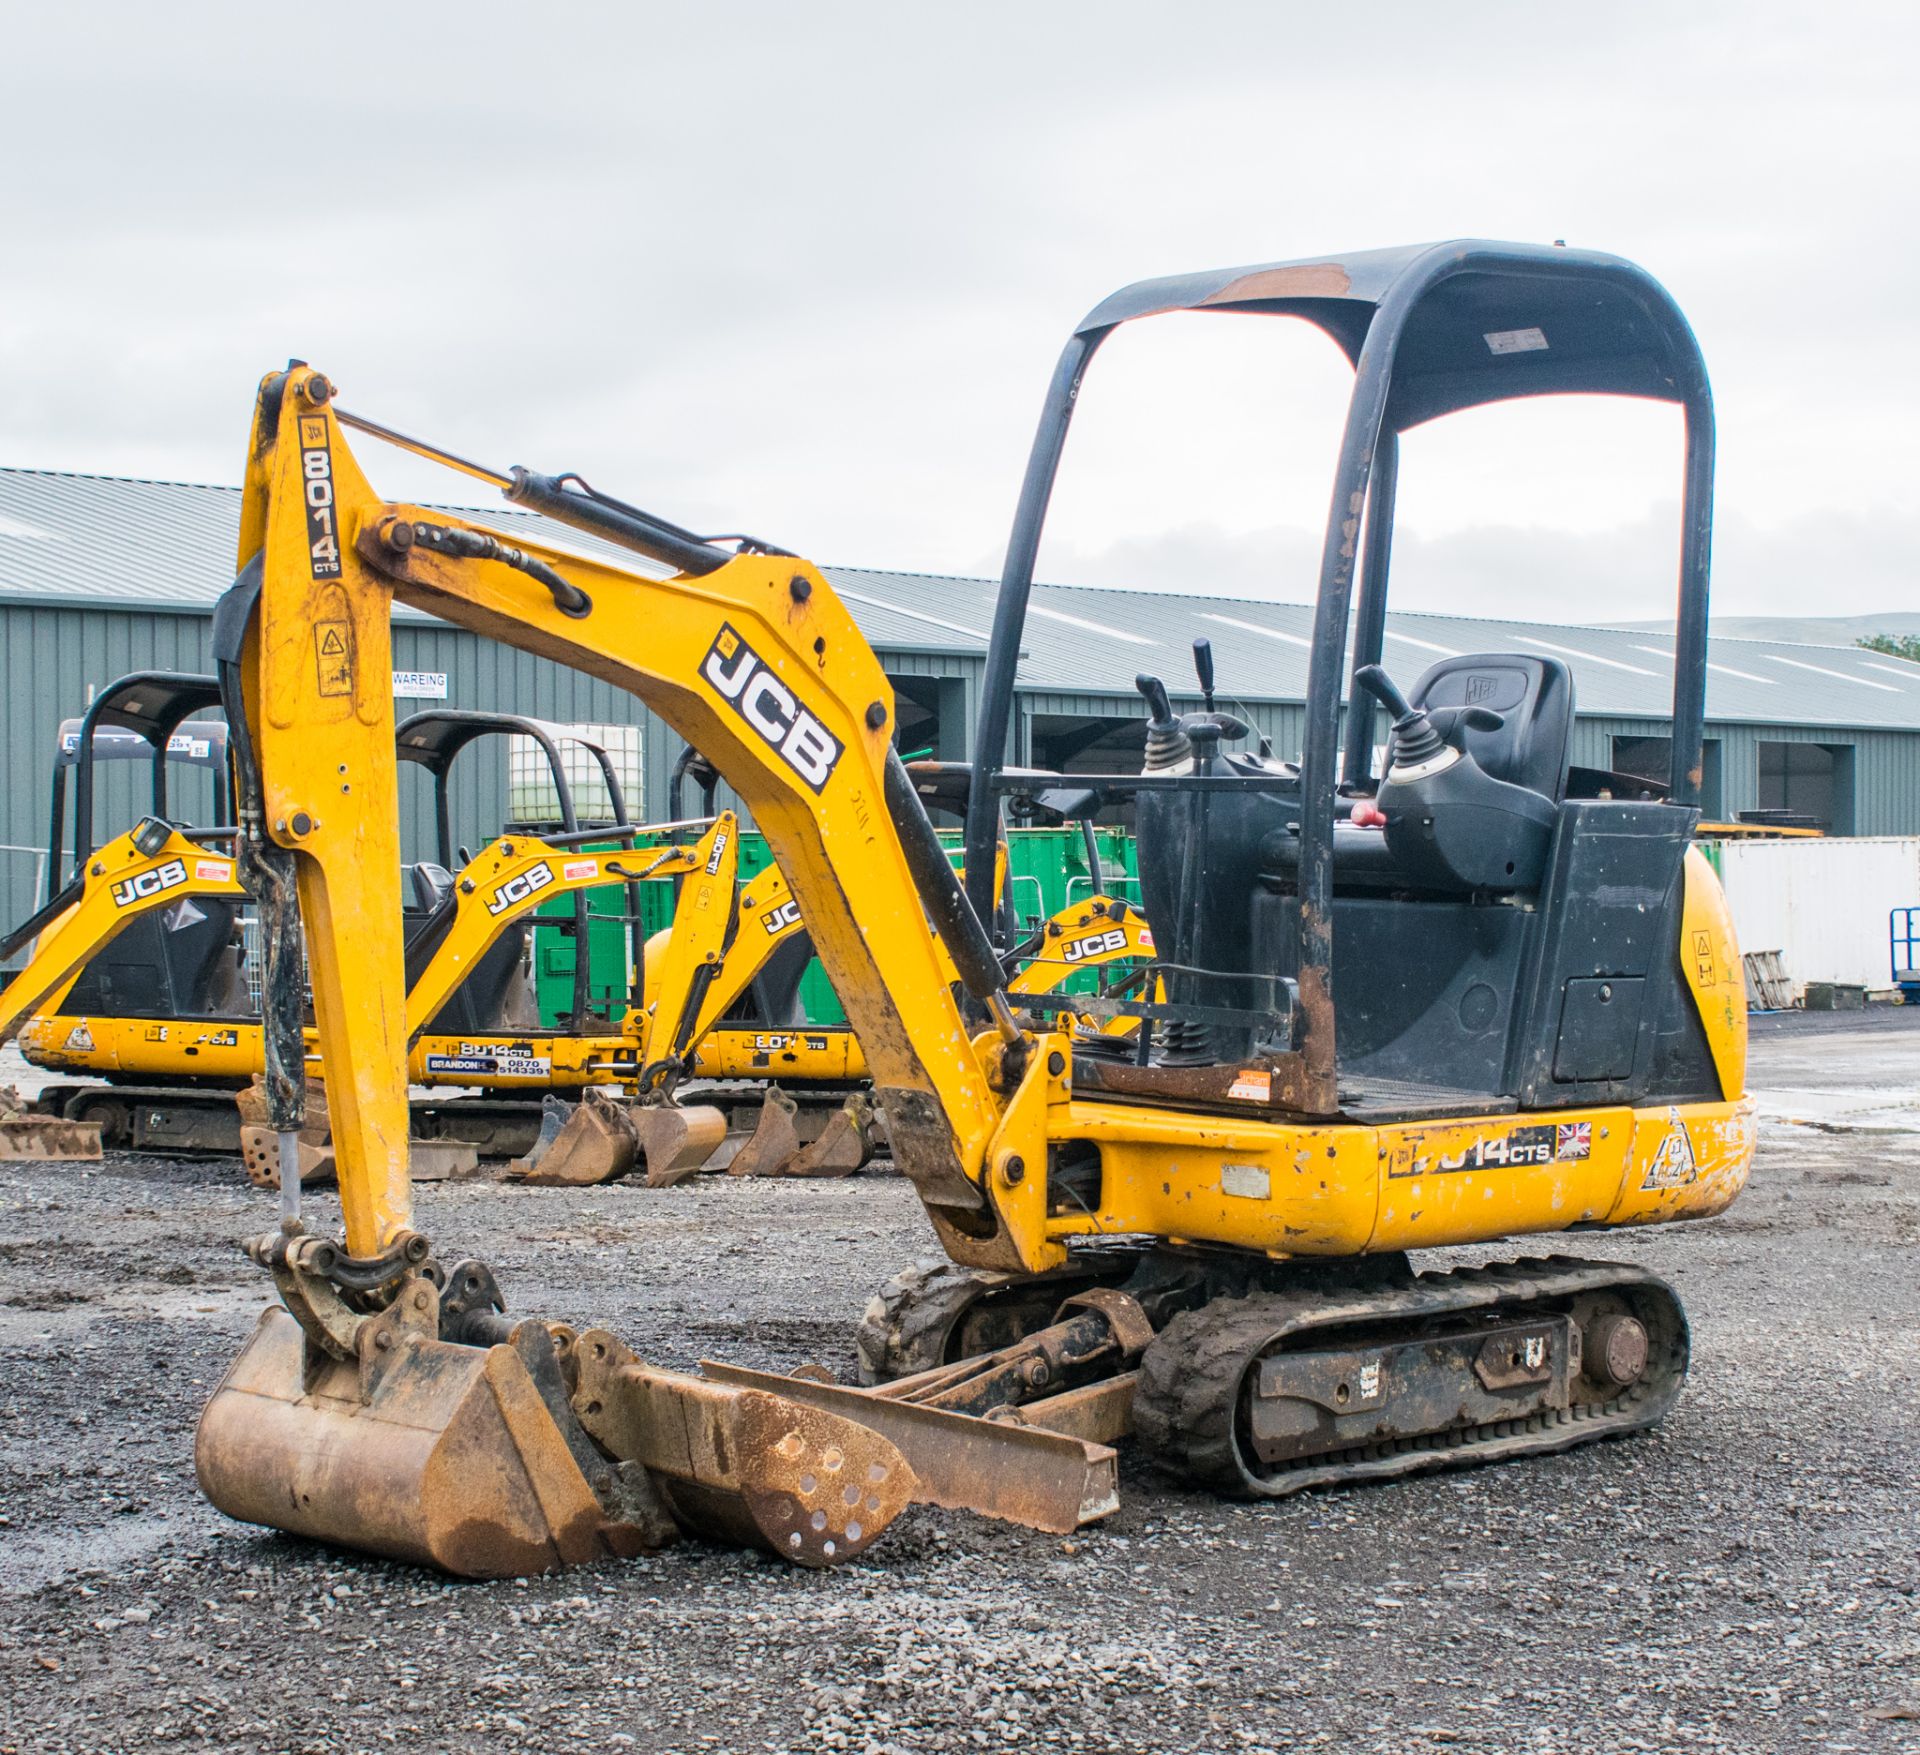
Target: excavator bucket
x,y
777,1146
593,1144
26,1136
605,1138
676,1140
775,1140
843,1146
475,1458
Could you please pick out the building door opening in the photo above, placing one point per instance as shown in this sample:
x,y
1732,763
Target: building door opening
x,y
1809,781
1651,758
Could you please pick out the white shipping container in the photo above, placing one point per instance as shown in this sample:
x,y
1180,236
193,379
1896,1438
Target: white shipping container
x,y
1822,903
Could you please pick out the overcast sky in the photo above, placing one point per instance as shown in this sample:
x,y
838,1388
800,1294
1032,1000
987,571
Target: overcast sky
x,y
804,269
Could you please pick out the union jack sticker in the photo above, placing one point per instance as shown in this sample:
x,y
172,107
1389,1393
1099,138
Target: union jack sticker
x,y
1573,1139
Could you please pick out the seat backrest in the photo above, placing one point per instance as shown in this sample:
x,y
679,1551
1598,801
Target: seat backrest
x,y
430,885
1534,696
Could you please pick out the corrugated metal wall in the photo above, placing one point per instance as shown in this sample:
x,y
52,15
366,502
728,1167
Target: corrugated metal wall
x,y
1886,780
50,657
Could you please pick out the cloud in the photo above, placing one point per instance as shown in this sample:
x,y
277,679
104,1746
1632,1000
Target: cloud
x,y
1625,573
806,270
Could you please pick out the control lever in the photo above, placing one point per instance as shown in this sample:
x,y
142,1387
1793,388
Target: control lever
x,y
1159,708
1414,738
1203,668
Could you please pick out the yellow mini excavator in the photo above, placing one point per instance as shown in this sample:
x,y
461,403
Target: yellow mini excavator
x,y
779,1096
159,1014
1457,1000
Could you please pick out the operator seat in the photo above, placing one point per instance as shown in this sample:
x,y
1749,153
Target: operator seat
x,y
1534,698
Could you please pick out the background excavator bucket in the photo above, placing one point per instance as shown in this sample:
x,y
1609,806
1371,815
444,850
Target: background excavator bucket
x,y
778,1145
606,1137
26,1136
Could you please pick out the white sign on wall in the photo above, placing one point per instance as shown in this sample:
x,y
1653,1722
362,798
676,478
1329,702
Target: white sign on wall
x,y
420,685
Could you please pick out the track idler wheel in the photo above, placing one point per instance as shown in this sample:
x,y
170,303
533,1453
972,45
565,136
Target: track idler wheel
x,y
937,1312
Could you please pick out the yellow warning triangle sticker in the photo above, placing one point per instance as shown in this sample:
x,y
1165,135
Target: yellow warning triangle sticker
x,y
331,645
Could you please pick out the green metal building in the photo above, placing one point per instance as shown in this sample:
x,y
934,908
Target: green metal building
x,y
100,576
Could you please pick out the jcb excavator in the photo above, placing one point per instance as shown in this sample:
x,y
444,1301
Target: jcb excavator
x,y
1459,1000
780,1096
159,1010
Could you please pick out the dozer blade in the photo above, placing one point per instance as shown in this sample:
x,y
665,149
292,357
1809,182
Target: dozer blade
x,y
24,1138
843,1146
775,1141
595,1144
428,1160
744,1464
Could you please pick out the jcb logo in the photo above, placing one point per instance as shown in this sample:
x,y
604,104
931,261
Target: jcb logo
x,y
769,706
517,889
149,883
1099,944
777,920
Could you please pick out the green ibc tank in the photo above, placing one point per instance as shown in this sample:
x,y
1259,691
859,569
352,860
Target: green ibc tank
x,y
1046,871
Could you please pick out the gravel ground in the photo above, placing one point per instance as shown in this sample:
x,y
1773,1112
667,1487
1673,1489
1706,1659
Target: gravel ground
x,y
1743,1579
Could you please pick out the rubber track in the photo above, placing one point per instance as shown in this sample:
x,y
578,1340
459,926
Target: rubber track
x,y
908,1323
1187,1405
905,1326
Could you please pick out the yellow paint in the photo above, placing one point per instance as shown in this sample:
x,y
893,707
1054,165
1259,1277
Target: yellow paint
x,y
1710,965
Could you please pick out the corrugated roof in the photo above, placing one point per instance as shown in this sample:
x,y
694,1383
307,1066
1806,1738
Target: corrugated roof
x,y
113,542
1085,640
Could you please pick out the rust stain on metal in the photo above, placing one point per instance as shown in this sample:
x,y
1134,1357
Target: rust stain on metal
x,y
1290,1081
1314,280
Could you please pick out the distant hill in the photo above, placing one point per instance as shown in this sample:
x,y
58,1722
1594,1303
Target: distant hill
x,y
1809,630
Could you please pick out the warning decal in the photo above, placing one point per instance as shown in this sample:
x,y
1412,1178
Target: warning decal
x,y
1673,1165
333,657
